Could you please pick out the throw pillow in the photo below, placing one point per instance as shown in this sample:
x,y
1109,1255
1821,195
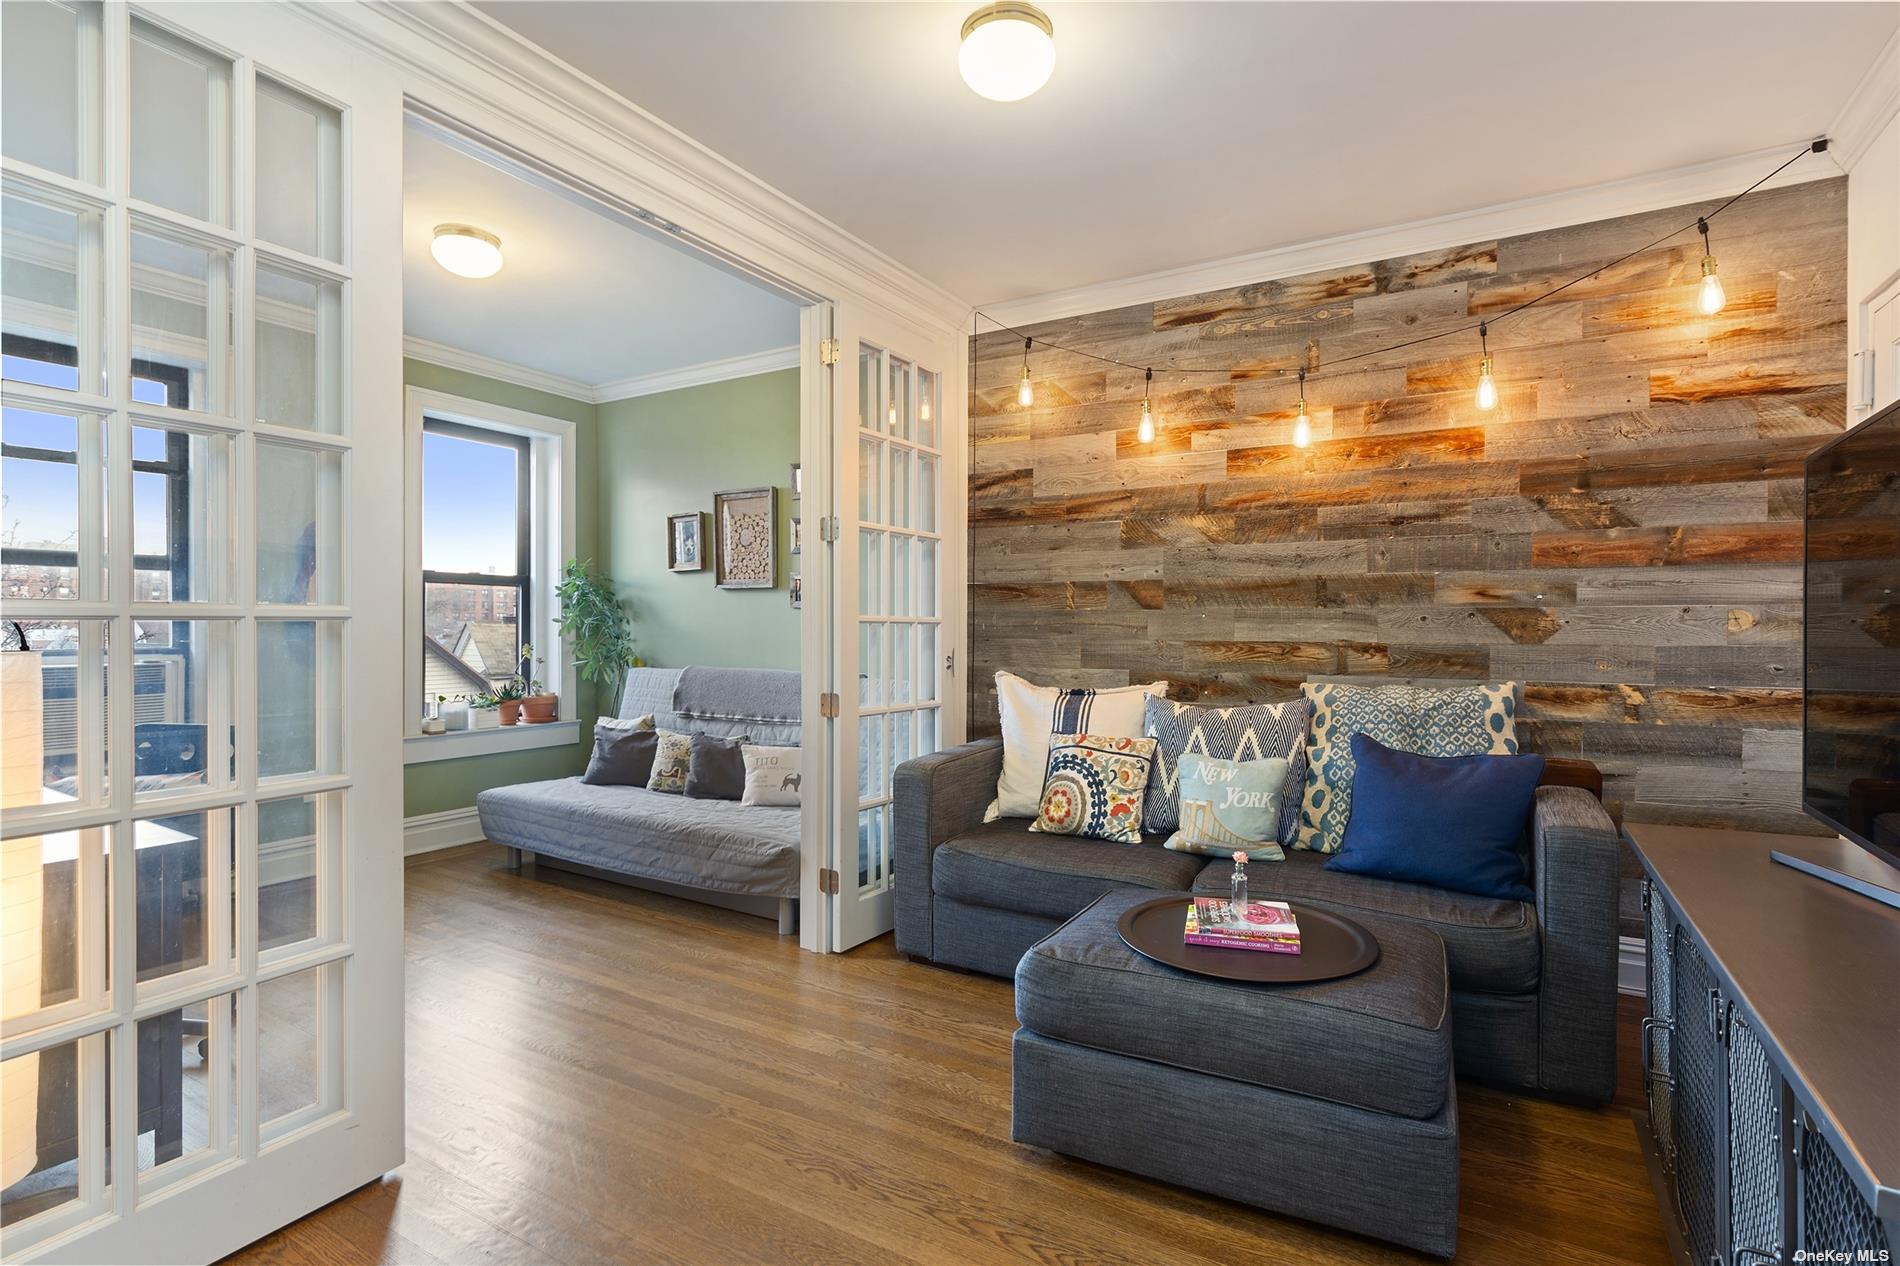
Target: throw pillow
x,y
1094,787
715,768
1230,804
622,757
1031,714
1253,731
671,762
772,775
1469,839
1455,721
624,723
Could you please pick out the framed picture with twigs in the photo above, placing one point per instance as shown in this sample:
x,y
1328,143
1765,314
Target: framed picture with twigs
x,y
745,538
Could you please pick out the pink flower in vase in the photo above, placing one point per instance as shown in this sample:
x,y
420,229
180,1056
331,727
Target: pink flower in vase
x,y
1240,858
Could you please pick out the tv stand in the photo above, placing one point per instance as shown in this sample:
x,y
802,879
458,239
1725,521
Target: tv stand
x,y
1773,1130
1838,862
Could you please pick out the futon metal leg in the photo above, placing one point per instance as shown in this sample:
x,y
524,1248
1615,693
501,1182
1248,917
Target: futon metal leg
x,y
787,915
519,857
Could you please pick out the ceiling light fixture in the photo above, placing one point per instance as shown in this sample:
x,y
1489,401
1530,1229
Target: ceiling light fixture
x,y
1146,431
1009,50
1487,386
466,251
1709,295
1025,394
1302,425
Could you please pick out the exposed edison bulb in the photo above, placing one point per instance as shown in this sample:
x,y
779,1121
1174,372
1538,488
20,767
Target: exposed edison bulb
x,y
1302,428
1146,431
1487,386
1025,394
1710,296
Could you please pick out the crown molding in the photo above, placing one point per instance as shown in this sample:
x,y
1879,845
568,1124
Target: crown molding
x,y
446,357
698,375
1651,192
489,78
1873,104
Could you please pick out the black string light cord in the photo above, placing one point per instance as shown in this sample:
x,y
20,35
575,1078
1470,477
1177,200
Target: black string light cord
x,y
1699,224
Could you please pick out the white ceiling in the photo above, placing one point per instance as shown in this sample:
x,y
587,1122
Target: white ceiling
x,y
579,295
1175,133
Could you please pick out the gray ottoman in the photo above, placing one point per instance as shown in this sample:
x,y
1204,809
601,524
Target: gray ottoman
x,y
1331,1101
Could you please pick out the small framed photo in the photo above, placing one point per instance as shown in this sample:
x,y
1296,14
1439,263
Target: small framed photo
x,y
798,591
745,528
684,550
798,535
798,480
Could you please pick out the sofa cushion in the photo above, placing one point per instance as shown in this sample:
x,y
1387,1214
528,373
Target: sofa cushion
x,y
1006,866
1491,946
1253,731
1380,1039
715,844
716,768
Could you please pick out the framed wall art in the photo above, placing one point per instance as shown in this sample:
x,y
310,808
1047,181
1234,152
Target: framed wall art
x,y
745,536
685,549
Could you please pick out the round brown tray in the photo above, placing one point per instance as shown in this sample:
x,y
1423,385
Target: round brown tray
x,y
1330,946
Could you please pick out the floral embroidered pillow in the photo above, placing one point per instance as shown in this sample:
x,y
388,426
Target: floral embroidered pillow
x,y
671,763
1094,785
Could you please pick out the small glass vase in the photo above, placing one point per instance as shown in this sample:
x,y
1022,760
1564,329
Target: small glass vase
x,y
1237,893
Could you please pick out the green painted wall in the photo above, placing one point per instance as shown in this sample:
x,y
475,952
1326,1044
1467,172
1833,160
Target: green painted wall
x,y
452,784
668,454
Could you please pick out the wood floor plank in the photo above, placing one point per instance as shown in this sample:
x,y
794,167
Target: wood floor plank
x,y
599,1074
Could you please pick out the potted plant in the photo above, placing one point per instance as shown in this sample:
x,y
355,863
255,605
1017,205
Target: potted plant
x,y
507,698
538,703
594,622
484,712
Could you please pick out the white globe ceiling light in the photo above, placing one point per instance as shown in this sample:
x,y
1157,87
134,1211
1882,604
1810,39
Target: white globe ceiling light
x,y
1009,50
466,251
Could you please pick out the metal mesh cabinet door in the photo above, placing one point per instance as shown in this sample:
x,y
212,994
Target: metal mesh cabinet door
x,y
1701,1067
1754,1147
1658,1080
1834,1218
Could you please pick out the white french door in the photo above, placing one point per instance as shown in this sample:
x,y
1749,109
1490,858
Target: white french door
x,y
897,620
201,1036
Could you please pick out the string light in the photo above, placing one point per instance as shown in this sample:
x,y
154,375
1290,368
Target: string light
x,y
1487,389
1709,295
1710,299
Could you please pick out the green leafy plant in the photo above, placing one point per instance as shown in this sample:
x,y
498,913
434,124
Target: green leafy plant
x,y
597,628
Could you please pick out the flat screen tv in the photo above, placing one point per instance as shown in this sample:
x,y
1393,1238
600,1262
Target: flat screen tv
x,y
1850,731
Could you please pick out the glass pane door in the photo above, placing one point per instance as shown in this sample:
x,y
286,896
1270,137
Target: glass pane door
x,y
894,633
196,1041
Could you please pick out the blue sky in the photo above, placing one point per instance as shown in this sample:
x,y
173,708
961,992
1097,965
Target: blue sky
x,y
468,505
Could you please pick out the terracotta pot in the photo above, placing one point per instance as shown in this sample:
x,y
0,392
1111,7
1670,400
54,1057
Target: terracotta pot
x,y
538,708
510,711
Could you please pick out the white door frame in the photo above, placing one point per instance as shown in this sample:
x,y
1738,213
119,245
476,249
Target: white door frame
x,y
461,70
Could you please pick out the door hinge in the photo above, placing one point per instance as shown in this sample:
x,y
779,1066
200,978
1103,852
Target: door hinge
x,y
828,530
950,663
828,351
828,705
828,882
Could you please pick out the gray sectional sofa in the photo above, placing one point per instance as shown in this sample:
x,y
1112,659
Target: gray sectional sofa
x,y
1532,984
742,857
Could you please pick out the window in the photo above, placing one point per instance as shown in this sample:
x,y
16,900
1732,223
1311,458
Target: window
x,y
477,557
491,525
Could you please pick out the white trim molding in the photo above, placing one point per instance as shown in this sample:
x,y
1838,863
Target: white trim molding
x,y
420,749
1875,100
1638,194
429,832
443,356
698,375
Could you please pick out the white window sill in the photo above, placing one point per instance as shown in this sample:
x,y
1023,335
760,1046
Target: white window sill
x,y
419,749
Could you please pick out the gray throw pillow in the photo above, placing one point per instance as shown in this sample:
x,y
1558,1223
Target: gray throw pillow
x,y
622,757
716,770
1244,732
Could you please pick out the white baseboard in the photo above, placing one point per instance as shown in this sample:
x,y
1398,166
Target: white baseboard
x,y
427,832
1632,966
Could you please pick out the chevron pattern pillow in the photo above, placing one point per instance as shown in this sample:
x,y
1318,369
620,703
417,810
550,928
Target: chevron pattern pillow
x,y
1254,731
1456,721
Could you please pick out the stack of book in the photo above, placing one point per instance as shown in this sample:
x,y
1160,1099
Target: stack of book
x,y
1263,925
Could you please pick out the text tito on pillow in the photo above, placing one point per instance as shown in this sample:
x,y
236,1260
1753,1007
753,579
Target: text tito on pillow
x,y
1030,714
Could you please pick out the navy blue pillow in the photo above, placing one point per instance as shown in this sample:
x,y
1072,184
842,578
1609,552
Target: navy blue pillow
x,y
1453,822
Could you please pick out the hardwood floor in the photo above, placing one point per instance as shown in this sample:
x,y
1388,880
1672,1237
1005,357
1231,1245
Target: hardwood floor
x,y
598,1074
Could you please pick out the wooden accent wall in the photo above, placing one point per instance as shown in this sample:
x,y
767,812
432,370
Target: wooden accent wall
x,y
1621,533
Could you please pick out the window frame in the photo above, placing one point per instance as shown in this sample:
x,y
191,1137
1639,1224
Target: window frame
x,y
522,578
548,503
